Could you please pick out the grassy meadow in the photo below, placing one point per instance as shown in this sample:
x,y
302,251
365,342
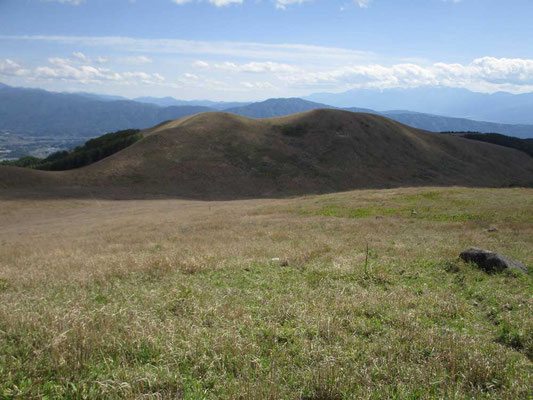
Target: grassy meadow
x,y
267,299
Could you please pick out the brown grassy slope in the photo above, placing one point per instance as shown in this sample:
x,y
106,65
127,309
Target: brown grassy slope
x,y
220,155
180,299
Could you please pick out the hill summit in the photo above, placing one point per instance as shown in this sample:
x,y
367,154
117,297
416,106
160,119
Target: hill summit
x,y
223,156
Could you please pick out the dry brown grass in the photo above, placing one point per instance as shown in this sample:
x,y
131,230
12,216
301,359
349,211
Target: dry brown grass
x,y
181,299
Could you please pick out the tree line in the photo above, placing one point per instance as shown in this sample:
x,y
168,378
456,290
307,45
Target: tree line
x,y
93,150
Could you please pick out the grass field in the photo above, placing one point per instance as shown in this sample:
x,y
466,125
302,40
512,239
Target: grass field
x,y
164,299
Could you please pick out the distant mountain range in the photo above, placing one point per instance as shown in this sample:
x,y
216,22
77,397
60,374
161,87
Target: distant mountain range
x,y
41,113
436,123
38,112
171,101
501,107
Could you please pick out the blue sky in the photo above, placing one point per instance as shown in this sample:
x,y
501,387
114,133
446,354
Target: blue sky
x,y
255,49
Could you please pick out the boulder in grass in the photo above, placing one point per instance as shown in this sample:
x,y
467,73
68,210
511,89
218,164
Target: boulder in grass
x,y
491,262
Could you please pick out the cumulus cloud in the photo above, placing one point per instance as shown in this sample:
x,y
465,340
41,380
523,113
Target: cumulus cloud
x,y
258,67
11,68
290,66
491,69
63,69
486,71
78,58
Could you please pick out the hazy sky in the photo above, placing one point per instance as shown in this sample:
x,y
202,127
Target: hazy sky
x,y
255,49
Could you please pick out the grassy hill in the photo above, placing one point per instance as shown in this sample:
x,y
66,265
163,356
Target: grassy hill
x,y
220,155
180,299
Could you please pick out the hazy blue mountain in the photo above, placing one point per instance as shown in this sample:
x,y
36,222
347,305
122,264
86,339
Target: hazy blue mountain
x,y
497,107
97,96
171,101
280,107
438,123
276,108
38,112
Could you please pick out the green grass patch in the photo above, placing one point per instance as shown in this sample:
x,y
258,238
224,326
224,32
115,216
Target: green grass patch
x,y
342,211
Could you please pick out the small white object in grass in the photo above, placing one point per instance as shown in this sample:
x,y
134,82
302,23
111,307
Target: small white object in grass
x,y
277,259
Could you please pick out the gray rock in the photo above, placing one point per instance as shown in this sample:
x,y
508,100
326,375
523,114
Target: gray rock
x,y
491,262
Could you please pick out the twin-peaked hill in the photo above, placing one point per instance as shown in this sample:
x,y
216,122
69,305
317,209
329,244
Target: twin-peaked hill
x,y
225,156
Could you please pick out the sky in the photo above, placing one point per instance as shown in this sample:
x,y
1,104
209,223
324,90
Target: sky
x,y
244,50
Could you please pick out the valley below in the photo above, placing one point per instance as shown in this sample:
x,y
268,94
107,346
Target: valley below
x,y
16,145
356,294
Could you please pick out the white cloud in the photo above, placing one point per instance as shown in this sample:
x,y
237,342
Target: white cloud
x,y
251,50
488,72
101,60
190,76
200,64
79,55
258,85
258,67
79,58
81,74
59,61
218,3
363,3
65,70
188,80
366,3
11,68
240,66
490,69
282,4
73,2
137,60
